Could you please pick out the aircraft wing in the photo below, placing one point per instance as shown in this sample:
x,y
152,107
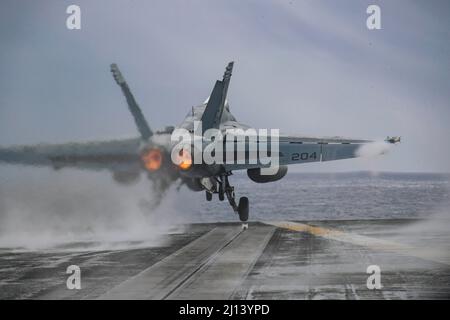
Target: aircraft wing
x,y
309,149
304,149
96,155
114,154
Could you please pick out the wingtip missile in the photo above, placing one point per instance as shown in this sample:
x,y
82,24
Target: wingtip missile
x,y
393,140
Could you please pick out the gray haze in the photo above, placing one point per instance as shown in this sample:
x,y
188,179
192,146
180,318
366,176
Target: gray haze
x,y
307,67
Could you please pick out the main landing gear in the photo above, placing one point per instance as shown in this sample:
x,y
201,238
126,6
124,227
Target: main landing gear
x,y
226,190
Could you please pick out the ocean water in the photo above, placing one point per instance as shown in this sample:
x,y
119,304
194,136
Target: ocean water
x,y
45,209
320,196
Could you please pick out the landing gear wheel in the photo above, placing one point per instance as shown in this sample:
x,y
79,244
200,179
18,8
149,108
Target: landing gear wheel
x,y
221,192
208,196
244,226
243,209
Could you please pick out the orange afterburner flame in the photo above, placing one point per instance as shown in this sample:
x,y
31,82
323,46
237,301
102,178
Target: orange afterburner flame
x,y
152,159
184,159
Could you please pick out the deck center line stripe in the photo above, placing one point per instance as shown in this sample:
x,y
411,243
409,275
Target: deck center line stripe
x,y
201,266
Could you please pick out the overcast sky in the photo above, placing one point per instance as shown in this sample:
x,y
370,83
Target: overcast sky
x,y
309,67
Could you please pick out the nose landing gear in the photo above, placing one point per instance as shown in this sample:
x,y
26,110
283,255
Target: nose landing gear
x,y
243,208
225,189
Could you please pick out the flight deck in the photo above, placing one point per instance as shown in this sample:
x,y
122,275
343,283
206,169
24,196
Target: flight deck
x,y
269,260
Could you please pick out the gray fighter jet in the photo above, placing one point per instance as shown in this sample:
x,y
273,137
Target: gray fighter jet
x,y
151,152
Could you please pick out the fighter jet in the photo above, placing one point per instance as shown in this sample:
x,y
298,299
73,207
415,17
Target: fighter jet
x,y
151,152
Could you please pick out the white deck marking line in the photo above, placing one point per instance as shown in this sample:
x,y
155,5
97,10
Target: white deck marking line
x,y
369,242
159,279
220,276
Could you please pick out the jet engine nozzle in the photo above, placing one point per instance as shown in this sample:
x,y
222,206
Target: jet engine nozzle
x,y
184,159
152,159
